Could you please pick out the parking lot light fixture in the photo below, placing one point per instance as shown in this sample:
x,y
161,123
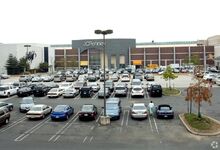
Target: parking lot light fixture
x,y
104,32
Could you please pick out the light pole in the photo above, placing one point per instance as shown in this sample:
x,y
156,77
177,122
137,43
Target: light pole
x,y
26,55
104,32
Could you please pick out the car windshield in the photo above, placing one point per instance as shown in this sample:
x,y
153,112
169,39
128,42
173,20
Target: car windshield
x,y
36,108
16,84
136,83
139,107
27,101
120,88
59,108
64,85
111,106
4,88
69,90
54,90
164,108
87,108
93,84
137,89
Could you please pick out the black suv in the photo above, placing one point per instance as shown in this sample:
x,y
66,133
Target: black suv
x,y
4,116
156,90
86,91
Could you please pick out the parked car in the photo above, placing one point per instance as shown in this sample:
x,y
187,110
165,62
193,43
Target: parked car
x,y
95,86
47,78
113,108
18,85
9,106
7,90
4,76
164,111
121,90
156,90
55,92
25,78
101,93
24,91
36,79
114,78
86,91
70,78
62,112
59,78
65,85
79,84
110,84
149,84
138,76
40,90
38,111
138,111
4,116
136,82
102,77
88,111
149,77
137,91
70,92
125,78
92,78
26,103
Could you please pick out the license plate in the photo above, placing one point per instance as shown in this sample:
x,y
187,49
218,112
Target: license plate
x,y
85,114
165,116
57,116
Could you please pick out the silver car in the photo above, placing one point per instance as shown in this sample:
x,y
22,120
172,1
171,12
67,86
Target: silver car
x,y
39,111
26,103
138,111
70,92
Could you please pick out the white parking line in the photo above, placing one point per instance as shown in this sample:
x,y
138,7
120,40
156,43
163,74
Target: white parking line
x,y
122,121
128,112
56,136
85,139
13,124
95,96
91,139
8,98
32,130
99,116
150,124
156,126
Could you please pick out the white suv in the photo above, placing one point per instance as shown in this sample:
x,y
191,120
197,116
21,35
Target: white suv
x,y
7,90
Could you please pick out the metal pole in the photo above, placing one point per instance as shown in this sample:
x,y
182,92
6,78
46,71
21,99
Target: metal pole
x,y
104,74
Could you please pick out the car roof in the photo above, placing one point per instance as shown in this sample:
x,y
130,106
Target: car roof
x,y
138,104
112,100
39,105
137,86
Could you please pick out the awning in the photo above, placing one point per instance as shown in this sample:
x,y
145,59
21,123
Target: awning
x,y
83,63
137,62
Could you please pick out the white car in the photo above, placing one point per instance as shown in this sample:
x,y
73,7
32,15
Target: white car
x,y
7,90
125,78
208,77
95,86
137,91
70,92
65,85
139,111
55,92
39,111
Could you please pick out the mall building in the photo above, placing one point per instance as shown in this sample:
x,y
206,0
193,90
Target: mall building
x,y
88,53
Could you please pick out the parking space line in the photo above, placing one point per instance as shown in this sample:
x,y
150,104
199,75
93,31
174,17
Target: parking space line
x,y
30,131
56,136
91,139
127,117
85,139
150,124
95,96
122,121
13,124
99,116
156,126
5,99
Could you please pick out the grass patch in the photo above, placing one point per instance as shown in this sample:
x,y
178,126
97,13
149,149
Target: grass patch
x,y
198,123
172,91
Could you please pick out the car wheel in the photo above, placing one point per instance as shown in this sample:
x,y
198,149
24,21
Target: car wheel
x,y
6,120
8,95
10,108
43,116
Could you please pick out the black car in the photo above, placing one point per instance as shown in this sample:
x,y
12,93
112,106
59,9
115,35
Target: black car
x,y
9,106
86,91
138,76
155,90
88,111
164,111
24,91
41,90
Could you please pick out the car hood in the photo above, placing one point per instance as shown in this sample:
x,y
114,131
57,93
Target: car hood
x,y
26,105
112,112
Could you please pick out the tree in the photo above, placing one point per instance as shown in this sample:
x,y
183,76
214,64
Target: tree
x,y
23,64
43,67
199,91
194,59
12,65
169,75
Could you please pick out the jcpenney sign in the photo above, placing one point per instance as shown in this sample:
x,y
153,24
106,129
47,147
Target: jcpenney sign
x,y
92,43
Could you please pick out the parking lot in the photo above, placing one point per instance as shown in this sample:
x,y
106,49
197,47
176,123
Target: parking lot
x,y
123,133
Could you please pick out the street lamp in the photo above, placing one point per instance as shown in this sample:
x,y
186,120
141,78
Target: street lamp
x,y
104,32
26,55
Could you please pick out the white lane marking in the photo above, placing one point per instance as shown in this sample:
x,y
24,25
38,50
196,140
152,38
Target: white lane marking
x,y
32,130
85,139
95,96
92,127
5,99
56,135
122,121
91,139
127,118
150,124
13,124
156,126
148,97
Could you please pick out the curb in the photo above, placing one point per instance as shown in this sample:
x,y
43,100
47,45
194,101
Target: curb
x,y
199,133
174,94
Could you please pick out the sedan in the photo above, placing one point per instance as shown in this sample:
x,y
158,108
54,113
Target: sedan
x,y
139,111
39,111
164,111
70,92
62,112
26,104
137,91
95,86
55,92
24,91
88,111
9,106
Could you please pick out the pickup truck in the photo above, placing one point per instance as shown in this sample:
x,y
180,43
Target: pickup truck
x,y
7,90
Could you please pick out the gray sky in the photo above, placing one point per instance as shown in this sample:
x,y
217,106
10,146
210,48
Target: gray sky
x,y
60,21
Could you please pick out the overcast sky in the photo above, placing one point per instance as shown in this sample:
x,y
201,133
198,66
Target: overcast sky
x,y
60,21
